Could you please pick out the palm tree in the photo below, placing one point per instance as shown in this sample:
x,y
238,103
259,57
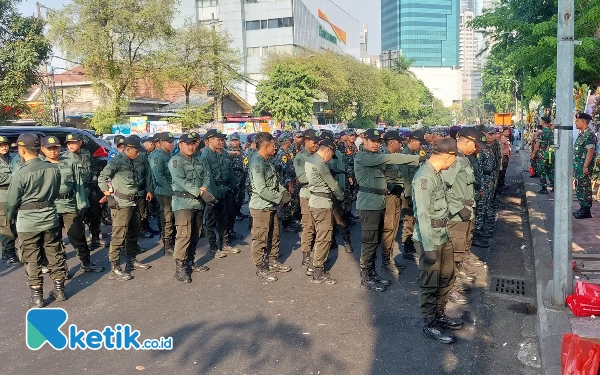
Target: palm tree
x,y
402,64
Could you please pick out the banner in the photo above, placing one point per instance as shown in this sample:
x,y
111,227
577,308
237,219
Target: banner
x,y
139,124
121,129
158,126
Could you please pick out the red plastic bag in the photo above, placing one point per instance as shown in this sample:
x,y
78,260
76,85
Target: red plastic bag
x,y
531,172
579,357
586,299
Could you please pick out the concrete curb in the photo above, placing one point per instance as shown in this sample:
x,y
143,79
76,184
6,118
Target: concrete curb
x,y
552,322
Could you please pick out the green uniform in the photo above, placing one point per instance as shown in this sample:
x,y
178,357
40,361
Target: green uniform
x,y
188,175
431,213
322,187
460,180
393,204
267,194
84,163
161,175
8,232
240,175
30,201
307,236
583,185
218,216
130,181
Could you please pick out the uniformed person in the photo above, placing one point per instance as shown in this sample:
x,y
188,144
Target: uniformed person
x,y
30,201
307,237
393,202
414,146
238,156
349,150
486,165
284,166
119,146
72,202
368,166
267,196
584,153
190,188
436,257
8,232
126,222
250,151
323,189
538,155
460,180
159,166
298,143
222,183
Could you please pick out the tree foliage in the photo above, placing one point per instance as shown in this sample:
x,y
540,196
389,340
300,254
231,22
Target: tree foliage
x,y
114,40
355,91
191,117
288,93
522,35
23,48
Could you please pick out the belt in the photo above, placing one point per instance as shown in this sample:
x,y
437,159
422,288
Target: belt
x,y
468,203
440,223
322,195
65,195
4,187
183,194
365,189
129,197
36,205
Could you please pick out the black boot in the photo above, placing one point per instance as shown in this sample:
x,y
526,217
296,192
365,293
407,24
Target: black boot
x,y
168,247
117,273
181,272
97,243
37,297
59,290
89,266
148,228
320,276
445,322
409,250
378,278
432,330
584,213
543,190
11,260
193,267
348,244
480,242
368,282
134,264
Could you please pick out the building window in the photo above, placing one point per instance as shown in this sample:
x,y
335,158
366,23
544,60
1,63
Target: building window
x,y
252,25
253,51
264,24
208,3
273,23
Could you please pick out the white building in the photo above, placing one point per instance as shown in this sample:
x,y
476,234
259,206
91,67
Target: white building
x,y
445,83
469,62
261,27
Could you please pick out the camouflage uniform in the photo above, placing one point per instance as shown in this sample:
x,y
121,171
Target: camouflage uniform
x,y
284,166
583,184
486,165
349,150
542,165
240,175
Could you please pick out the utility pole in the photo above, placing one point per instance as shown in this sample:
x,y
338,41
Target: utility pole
x,y
563,139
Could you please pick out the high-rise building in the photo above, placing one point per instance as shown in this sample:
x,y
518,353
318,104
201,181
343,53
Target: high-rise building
x,y
261,27
469,61
426,31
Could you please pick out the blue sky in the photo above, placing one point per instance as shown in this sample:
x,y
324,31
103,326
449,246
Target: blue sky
x,y
365,11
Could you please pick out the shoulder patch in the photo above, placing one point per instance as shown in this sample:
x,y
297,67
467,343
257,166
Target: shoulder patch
x,y
284,159
422,153
423,184
174,163
246,161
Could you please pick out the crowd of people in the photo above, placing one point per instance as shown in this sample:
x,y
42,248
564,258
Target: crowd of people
x,y
442,183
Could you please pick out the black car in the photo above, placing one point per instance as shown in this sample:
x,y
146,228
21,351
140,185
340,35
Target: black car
x,y
98,148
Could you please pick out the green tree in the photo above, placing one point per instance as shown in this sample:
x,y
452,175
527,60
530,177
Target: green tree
x,y
191,117
440,115
402,64
114,40
23,49
288,94
498,86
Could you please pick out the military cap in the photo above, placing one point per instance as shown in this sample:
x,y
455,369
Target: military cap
x,y
250,138
419,135
350,131
312,134
214,133
584,116
444,132
28,140
133,141
329,143
373,134
342,133
119,139
165,136
283,137
405,133
73,137
50,141
154,138
277,133
446,146
474,135
327,134
189,138
3,140
546,119
234,136
392,134
454,130
299,133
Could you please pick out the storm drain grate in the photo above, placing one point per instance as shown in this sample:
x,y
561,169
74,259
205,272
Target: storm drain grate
x,y
508,286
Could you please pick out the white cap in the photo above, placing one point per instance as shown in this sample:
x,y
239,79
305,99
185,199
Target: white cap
x,y
360,131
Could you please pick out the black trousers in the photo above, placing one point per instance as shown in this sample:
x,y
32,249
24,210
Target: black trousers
x,y
76,234
216,223
34,245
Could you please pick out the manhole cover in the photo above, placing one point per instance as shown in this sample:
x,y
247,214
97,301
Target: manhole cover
x,y
508,286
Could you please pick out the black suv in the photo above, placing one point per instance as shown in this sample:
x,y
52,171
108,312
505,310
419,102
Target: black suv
x,y
97,147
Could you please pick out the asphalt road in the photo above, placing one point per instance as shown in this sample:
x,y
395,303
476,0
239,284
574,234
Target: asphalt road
x,y
229,322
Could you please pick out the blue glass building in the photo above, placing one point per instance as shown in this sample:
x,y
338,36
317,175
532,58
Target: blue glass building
x,y
424,30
